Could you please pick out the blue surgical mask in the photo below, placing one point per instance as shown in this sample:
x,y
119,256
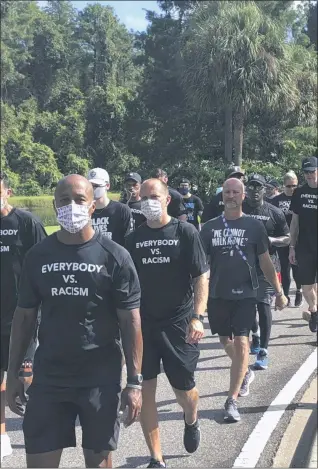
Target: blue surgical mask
x,y
184,190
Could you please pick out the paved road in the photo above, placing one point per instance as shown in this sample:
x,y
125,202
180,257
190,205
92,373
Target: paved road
x,y
291,343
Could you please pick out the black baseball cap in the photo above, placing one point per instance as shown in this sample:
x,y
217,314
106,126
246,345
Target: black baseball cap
x,y
309,164
184,181
234,170
133,177
258,178
273,183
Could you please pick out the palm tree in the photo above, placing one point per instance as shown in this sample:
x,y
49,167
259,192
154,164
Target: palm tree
x,y
235,55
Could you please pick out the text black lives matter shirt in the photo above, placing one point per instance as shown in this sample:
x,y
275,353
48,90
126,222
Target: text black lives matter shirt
x,y
193,206
138,217
166,259
304,204
230,277
214,208
79,288
114,221
19,231
274,222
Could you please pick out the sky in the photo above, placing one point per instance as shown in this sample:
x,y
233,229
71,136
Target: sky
x,y
130,13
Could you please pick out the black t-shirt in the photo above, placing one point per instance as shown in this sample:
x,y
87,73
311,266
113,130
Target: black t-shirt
x,y
166,260
274,222
214,208
113,221
304,204
176,207
193,206
283,201
138,217
230,277
19,231
79,288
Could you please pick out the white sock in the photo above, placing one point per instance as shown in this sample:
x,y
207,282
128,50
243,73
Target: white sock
x,y
257,333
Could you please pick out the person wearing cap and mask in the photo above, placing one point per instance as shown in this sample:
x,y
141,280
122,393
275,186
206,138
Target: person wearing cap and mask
x,y
277,231
272,189
216,206
192,203
133,199
303,242
176,206
112,219
89,293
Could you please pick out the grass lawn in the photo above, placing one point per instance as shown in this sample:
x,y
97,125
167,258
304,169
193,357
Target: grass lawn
x,y
51,229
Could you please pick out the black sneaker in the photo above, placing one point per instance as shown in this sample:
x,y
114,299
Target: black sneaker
x,y
298,299
231,412
313,323
191,436
155,463
288,302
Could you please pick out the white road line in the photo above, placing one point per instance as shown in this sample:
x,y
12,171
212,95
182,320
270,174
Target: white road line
x,y
259,437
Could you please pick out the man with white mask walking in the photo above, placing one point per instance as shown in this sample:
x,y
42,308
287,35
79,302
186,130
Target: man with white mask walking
x,y
112,219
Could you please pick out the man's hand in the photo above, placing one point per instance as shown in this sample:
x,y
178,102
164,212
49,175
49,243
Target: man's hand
x,y
281,302
195,331
131,398
15,391
292,256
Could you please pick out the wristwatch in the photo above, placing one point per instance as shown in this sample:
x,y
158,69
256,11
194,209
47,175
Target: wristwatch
x,y
279,294
198,317
135,380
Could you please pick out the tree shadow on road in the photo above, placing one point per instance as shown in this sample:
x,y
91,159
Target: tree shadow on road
x,y
206,359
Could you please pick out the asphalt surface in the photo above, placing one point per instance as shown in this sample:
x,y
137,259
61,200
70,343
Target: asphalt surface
x,y
291,343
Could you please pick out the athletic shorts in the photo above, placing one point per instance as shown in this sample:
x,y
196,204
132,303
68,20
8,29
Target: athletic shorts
x,y
168,344
29,357
307,267
231,317
51,413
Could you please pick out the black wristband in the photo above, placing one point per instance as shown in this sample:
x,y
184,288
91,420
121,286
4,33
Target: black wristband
x,y
198,317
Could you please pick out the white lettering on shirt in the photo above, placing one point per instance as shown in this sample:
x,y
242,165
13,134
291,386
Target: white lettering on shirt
x,y
71,267
69,291
8,232
157,242
155,260
229,237
101,225
4,248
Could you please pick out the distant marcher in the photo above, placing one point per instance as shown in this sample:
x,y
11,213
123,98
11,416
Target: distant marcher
x,y
192,203
132,187
176,206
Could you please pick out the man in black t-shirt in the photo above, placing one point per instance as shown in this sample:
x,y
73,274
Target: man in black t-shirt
x,y
283,201
176,206
171,263
272,189
192,203
236,245
88,289
216,206
132,187
303,243
277,231
19,231
112,219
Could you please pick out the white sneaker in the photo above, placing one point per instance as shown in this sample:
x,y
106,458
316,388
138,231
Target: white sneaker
x,y
6,448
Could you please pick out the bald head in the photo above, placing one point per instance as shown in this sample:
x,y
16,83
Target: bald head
x,y
154,185
234,184
233,195
74,188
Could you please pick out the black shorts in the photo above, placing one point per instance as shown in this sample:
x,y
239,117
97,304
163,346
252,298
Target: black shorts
x,y
51,413
307,266
231,317
168,344
5,344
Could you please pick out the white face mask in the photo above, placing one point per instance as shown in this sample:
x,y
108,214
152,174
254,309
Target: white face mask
x,y
99,192
73,217
152,209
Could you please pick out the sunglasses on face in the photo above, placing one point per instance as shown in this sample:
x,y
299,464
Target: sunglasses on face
x,y
291,186
256,188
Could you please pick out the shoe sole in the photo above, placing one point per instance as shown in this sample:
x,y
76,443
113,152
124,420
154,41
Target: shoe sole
x,y
229,419
253,352
248,387
260,367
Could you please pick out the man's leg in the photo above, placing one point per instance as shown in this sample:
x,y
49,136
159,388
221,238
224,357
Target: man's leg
x,y
285,269
310,294
149,419
92,459
238,351
307,264
49,459
6,448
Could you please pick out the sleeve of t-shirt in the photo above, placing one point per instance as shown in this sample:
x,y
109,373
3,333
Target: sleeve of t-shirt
x,y
210,211
176,207
127,287
127,220
262,242
281,228
195,252
36,232
294,205
205,235
200,205
28,294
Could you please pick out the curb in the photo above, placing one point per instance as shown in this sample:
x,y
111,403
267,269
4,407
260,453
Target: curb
x,y
298,443
313,454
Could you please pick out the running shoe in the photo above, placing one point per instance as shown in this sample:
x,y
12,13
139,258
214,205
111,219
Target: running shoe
x,y
307,316
261,361
6,448
298,299
313,323
191,436
256,344
155,463
248,379
231,413
288,302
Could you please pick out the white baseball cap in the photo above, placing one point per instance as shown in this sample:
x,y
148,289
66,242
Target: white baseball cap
x,y
98,176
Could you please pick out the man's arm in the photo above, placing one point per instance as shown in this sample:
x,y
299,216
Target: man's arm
x,y
201,293
130,327
282,237
281,241
294,230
